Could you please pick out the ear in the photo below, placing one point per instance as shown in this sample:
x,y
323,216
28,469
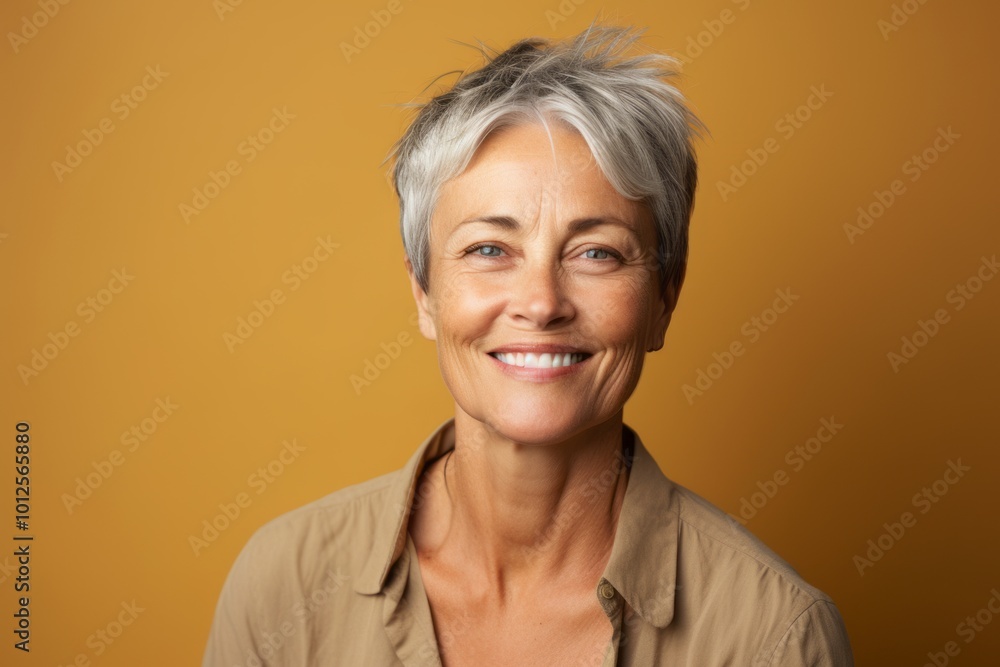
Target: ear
x,y
665,307
424,304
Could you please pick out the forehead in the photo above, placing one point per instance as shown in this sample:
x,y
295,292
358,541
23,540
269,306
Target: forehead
x,y
554,143
554,150
530,165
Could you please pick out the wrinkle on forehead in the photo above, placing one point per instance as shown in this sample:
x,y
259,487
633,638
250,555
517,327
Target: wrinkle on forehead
x,y
511,180
569,162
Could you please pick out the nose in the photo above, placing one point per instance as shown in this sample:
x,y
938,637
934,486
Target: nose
x,y
539,297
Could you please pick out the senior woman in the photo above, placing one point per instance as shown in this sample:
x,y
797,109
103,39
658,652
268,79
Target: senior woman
x,y
545,202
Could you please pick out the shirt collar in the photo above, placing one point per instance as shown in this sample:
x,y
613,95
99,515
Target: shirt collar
x,y
643,562
391,528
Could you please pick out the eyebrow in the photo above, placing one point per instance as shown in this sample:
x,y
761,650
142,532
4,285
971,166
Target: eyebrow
x,y
509,223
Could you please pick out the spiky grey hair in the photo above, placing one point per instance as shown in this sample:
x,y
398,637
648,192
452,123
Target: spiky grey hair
x,y
635,122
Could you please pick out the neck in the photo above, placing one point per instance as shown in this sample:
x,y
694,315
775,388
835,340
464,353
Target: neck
x,y
531,513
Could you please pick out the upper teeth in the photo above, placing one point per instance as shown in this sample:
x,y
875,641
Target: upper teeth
x,y
545,360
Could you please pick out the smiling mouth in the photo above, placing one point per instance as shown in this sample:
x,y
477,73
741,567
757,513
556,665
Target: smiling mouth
x,y
543,360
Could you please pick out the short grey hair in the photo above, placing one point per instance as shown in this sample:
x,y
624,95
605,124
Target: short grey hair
x,y
635,122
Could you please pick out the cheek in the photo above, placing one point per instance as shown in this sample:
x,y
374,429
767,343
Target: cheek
x,y
468,313
617,317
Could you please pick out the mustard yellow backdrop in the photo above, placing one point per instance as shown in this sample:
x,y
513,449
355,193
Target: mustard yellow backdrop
x,y
207,322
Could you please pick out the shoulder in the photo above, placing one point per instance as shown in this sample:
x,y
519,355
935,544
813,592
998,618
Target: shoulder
x,y
328,537
328,541
294,573
708,529
334,511
319,546
727,567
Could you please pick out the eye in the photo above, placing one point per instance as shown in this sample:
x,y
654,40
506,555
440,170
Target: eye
x,y
601,253
491,250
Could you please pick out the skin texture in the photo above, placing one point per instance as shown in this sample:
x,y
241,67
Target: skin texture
x,y
512,548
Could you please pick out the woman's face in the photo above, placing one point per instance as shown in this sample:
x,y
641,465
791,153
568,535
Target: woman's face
x,y
535,256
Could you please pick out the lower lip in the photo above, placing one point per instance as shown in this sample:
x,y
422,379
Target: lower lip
x,y
538,374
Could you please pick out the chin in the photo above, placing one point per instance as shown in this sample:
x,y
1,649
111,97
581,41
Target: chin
x,y
536,422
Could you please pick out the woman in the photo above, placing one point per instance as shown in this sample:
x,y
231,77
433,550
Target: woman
x,y
544,203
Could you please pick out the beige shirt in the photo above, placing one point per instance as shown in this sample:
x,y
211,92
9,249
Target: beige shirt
x,y
337,582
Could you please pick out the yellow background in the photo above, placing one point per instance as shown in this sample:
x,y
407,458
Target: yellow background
x,y
161,337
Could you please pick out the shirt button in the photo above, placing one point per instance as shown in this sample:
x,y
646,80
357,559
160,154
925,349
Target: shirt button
x,y
607,591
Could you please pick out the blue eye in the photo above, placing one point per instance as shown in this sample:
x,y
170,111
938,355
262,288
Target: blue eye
x,y
593,250
485,246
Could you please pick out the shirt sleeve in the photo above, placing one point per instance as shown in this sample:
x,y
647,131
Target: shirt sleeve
x,y
816,638
233,639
